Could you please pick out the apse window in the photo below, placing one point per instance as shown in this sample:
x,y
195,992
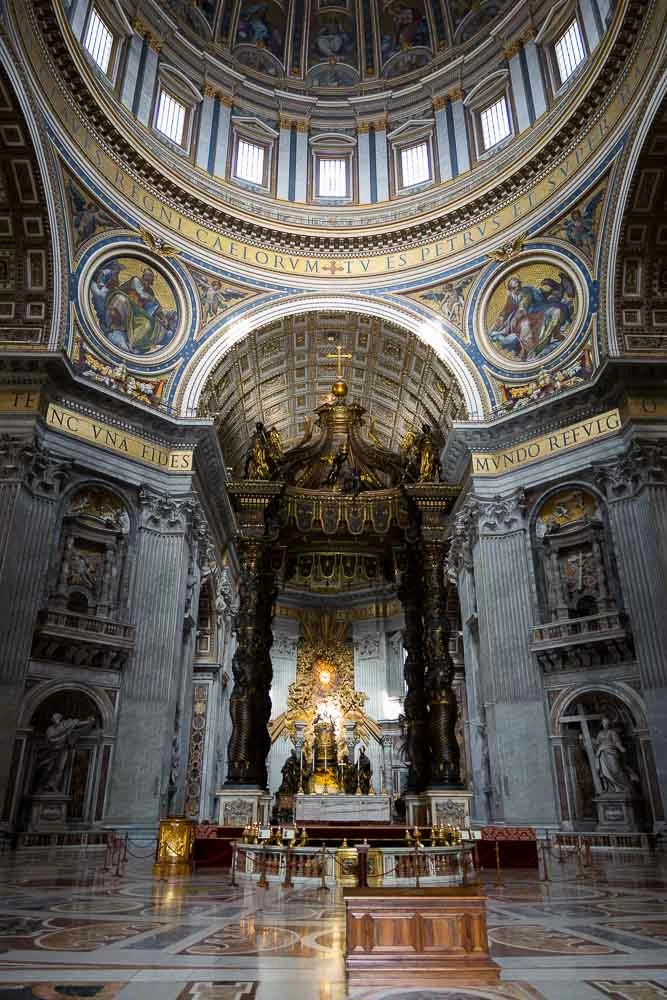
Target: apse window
x,y
495,122
415,165
332,178
249,162
98,41
570,51
170,118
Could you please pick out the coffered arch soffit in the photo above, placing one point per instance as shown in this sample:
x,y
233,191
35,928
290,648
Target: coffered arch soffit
x,y
418,334
280,373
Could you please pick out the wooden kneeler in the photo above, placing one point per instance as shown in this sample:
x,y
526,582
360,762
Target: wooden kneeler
x,y
403,936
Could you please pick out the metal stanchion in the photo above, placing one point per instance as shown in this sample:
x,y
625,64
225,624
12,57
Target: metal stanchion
x,y
108,853
287,883
323,883
499,879
233,881
263,882
545,864
119,858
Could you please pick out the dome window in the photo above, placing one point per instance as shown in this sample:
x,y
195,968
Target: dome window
x,y
170,117
569,50
495,123
249,162
332,177
332,167
415,165
98,41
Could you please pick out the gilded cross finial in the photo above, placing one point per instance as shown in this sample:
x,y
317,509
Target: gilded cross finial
x,y
338,356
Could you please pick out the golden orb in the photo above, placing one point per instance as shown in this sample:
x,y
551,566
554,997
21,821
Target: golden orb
x,y
339,388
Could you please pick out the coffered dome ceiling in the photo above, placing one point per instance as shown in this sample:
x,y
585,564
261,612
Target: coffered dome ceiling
x,y
333,43
281,373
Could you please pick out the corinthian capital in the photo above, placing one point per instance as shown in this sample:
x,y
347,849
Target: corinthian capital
x,y
24,460
463,540
501,515
645,464
169,514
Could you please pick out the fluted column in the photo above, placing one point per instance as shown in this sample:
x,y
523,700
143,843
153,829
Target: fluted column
x,y
636,490
410,596
461,573
520,771
153,681
441,700
250,701
31,483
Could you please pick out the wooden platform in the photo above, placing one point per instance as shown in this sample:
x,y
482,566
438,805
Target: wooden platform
x,y
429,936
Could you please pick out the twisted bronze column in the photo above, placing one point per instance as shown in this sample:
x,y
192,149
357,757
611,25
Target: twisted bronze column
x,y
410,596
441,700
250,702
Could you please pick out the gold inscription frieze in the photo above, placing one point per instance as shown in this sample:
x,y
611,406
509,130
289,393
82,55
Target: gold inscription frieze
x,y
97,432
647,407
132,191
494,463
19,400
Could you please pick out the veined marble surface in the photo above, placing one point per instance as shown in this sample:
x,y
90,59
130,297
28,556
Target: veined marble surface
x,y
350,808
68,929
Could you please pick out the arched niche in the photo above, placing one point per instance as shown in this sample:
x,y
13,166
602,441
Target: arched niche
x,y
89,575
65,738
603,759
575,571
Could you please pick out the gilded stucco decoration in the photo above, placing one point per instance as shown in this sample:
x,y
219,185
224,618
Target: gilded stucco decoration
x,y
530,311
324,681
116,375
514,395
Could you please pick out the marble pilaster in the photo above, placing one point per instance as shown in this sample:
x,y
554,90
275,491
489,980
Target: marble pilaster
x,y
636,491
153,683
514,701
31,482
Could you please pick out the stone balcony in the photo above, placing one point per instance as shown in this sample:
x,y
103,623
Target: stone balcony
x,y
82,640
573,643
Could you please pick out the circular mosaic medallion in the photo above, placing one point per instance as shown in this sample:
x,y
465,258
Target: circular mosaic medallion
x,y
530,311
135,304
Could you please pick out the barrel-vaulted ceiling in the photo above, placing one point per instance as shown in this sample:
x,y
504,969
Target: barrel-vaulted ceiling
x,y
282,372
641,270
332,43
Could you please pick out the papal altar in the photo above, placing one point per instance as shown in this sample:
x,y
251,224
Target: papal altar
x,y
342,808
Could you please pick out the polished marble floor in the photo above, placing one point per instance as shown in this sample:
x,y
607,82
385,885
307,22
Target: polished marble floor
x,y
70,930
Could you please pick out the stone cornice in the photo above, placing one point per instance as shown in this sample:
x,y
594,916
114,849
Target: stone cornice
x,y
612,382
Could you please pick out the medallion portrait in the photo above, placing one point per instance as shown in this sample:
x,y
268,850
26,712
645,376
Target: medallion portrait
x,y
134,305
530,312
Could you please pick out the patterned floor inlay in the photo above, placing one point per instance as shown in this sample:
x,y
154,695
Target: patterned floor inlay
x,y
219,991
61,991
631,990
69,930
528,938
